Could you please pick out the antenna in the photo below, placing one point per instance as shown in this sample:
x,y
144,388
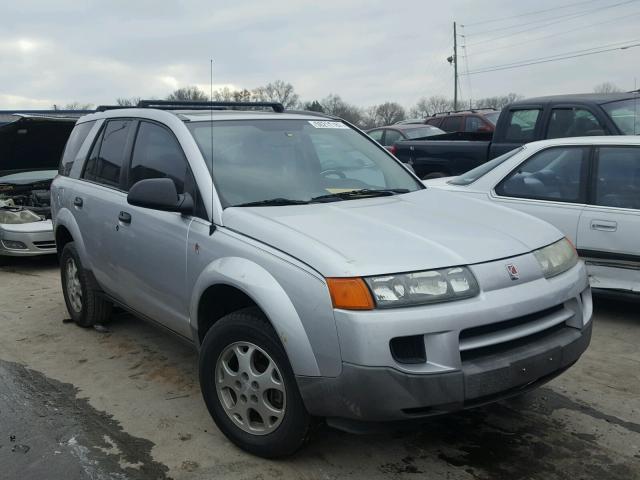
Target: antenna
x,y
212,227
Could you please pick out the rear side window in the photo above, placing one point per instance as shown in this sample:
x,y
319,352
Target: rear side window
x,y
71,149
391,137
107,157
556,174
617,179
157,154
472,124
451,124
522,125
434,122
376,135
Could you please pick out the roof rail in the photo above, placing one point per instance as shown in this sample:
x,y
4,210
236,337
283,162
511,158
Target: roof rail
x,y
470,110
188,105
104,108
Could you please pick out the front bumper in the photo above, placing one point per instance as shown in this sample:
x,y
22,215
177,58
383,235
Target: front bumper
x,y
37,238
505,341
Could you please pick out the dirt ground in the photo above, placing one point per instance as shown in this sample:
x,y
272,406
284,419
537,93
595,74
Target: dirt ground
x,y
125,404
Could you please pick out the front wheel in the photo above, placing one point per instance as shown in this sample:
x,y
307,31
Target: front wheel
x,y
249,386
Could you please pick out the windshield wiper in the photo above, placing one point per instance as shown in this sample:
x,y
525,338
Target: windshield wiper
x,y
272,202
362,193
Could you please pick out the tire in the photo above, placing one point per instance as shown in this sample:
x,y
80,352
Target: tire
x,y
226,341
85,304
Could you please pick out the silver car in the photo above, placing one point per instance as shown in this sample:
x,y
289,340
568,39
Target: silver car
x,y
318,277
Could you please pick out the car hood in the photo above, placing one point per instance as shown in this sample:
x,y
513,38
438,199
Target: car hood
x,y
426,229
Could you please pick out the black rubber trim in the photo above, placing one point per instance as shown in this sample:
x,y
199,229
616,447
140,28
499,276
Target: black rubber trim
x,y
601,255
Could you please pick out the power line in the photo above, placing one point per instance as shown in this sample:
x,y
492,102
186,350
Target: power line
x,y
540,20
554,58
574,16
527,14
564,32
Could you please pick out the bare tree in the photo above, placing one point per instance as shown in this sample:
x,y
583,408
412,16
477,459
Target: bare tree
x,y
74,106
224,95
128,102
606,87
498,102
389,113
188,94
429,106
277,91
334,105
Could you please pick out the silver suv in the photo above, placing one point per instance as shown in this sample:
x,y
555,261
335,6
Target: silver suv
x,y
317,276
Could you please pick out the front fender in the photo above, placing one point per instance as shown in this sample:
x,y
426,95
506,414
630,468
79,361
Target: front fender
x,y
65,218
268,294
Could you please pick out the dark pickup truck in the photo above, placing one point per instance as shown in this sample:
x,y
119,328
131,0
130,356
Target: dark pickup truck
x,y
522,122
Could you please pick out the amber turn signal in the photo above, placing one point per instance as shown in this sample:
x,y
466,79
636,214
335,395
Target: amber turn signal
x,y
350,294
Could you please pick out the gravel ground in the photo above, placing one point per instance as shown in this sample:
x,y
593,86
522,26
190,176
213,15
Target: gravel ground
x,y
125,404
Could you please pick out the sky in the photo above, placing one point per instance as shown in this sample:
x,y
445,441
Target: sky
x,y
367,51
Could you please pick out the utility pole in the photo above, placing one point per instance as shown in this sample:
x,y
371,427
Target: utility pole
x,y
455,68
453,60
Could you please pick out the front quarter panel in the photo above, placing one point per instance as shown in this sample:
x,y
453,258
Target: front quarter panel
x,y
294,300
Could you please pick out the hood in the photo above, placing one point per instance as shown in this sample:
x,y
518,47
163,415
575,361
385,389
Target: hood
x,y
33,143
416,231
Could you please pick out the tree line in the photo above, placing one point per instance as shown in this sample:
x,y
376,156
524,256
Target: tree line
x,y
386,113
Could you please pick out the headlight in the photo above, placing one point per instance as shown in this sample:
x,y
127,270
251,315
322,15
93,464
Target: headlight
x,y
420,288
556,258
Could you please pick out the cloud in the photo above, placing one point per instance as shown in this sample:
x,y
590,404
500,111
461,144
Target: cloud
x,y
368,52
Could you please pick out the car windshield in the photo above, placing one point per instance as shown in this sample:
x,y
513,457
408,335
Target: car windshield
x,y
283,162
492,117
32,176
625,114
473,175
423,132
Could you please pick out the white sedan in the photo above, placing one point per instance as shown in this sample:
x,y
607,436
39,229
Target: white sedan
x,y
587,187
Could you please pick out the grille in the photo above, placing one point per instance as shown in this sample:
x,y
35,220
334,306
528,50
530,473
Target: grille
x,y
45,244
496,337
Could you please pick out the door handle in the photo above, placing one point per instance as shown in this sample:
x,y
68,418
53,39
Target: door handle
x,y
77,202
604,225
124,217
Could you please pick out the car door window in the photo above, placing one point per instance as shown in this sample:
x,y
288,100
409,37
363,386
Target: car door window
x,y
71,149
377,135
391,137
451,124
107,157
556,174
521,125
573,122
472,124
617,178
157,154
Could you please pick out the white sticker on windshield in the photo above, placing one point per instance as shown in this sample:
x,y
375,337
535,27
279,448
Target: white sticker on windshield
x,y
327,124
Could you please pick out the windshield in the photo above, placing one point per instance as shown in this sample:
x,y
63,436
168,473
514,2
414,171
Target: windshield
x,y
423,132
625,114
282,162
492,117
473,175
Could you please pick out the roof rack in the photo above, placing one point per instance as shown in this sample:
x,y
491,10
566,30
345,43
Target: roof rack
x,y
190,105
470,110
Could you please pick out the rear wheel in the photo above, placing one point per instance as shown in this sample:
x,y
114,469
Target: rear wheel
x,y
84,302
249,386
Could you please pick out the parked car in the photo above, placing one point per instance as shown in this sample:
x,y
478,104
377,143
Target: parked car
x,y
316,275
587,187
388,136
30,150
522,122
472,121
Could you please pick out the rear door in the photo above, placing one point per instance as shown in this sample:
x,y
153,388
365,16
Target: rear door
x,y
152,244
551,185
609,229
98,199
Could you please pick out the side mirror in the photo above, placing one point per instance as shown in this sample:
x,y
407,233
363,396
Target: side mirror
x,y
159,194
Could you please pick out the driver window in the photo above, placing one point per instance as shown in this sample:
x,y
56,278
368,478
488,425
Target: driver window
x,y
554,174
